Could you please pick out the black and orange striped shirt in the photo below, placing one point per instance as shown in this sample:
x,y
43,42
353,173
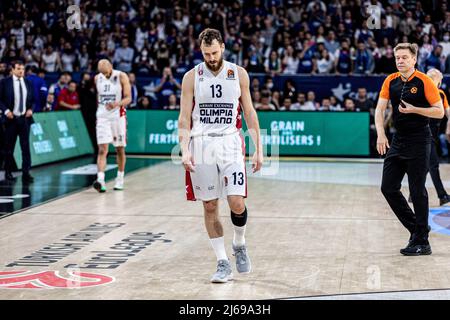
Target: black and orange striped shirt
x,y
418,90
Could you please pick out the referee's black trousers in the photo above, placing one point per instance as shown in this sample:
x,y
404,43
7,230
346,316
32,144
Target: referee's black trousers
x,y
434,163
413,158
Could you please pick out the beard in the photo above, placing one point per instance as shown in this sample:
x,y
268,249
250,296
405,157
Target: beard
x,y
216,66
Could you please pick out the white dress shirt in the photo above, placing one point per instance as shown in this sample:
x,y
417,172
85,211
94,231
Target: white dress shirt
x,y
17,96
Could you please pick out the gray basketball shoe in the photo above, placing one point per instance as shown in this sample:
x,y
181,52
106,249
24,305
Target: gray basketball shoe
x,y
243,263
223,273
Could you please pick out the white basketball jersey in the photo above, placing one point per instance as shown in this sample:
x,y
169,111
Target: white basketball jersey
x,y
216,101
109,90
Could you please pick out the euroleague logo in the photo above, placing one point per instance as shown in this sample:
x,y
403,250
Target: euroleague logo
x,y
230,74
51,280
414,90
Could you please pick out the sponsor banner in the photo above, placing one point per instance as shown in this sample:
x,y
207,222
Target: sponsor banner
x,y
292,133
56,136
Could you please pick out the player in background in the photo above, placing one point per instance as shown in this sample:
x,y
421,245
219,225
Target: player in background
x,y
113,95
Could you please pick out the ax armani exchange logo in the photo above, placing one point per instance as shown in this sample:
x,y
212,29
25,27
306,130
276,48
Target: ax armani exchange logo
x,y
112,258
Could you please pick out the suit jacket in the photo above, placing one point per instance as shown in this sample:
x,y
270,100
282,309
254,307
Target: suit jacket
x,y
7,95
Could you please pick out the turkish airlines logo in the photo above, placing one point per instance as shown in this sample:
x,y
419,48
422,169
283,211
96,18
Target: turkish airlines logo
x,y
51,280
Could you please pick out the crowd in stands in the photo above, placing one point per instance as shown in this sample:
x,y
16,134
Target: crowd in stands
x,y
275,37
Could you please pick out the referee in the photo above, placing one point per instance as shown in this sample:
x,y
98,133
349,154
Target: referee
x,y
415,99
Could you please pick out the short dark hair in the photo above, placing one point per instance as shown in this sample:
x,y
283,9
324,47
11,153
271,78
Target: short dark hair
x,y
16,62
209,35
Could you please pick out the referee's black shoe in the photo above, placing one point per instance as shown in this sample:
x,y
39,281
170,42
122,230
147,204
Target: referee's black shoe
x,y
445,199
416,249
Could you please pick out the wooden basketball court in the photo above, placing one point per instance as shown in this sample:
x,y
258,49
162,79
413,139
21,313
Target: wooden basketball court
x,y
314,229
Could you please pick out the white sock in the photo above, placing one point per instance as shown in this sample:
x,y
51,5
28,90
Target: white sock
x,y
219,248
101,177
239,233
120,174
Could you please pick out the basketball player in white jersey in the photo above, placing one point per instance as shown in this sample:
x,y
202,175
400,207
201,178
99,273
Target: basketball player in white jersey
x,y
113,95
213,149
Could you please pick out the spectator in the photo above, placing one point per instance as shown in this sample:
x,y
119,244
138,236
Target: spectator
x,y
173,104
387,62
123,57
407,25
144,103
311,102
56,88
256,96
144,63
306,58
290,61
162,56
335,105
51,61
135,91
40,89
361,102
445,44
255,85
434,60
83,58
265,103
364,63
349,105
3,70
287,102
343,61
168,85
268,84
301,103
326,105
68,58
330,42
325,64
289,89
275,99
392,21
68,98
425,51
272,65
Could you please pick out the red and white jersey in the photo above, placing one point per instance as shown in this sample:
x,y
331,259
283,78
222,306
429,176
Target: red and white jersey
x,y
109,90
216,101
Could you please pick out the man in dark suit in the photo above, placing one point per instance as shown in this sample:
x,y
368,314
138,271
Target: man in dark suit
x,y
16,102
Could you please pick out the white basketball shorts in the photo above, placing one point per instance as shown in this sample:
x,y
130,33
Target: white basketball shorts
x,y
112,130
219,164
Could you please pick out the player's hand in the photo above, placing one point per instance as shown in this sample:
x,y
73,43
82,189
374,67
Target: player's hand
x,y
257,161
188,161
405,107
382,144
112,105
